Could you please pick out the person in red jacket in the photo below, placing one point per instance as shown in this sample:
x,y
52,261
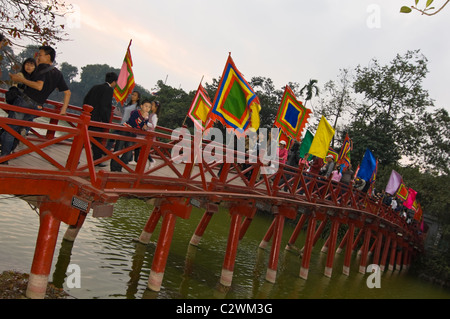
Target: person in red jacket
x,y
282,152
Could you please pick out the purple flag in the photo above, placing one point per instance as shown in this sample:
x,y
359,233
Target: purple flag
x,y
394,183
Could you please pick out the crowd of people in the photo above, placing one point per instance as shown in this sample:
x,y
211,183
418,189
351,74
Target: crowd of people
x,y
342,173
39,77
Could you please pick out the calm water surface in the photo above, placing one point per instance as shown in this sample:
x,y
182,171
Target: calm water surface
x,y
113,266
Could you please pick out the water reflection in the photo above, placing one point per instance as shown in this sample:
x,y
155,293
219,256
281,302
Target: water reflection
x,y
114,266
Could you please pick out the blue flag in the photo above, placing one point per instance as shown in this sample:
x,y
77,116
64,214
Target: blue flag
x,y
367,166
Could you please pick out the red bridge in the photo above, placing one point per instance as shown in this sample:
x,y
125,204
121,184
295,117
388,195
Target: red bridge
x,y
53,166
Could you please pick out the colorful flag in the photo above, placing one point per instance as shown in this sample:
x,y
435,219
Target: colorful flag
x,y
306,143
411,198
418,215
333,153
125,82
235,105
292,116
200,108
394,183
322,139
284,137
374,174
344,153
402,192
367,167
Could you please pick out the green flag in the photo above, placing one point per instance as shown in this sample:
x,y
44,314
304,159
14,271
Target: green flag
x,y
306,143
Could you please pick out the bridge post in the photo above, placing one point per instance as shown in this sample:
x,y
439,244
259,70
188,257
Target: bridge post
x,y
201,227
237,212
308,247
280,213
162,252
150,226
268,236
296,232
271,273
376,255
365,250
385,252
43,254
230,254
392,257
398,262
171,208
406,258
358,237
343,243
348,249
331,247
73,230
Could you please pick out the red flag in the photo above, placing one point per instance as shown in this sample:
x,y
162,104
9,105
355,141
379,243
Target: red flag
x,y
125,82
200,107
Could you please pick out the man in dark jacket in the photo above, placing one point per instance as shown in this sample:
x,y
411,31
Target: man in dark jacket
x,y
100,98
44,80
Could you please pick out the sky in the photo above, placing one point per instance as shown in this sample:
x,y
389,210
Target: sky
x,y
183,41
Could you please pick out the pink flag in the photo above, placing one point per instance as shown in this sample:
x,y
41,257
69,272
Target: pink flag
x,y
394,183
411,198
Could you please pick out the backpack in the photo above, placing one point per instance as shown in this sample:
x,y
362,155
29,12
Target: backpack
x,y
12,94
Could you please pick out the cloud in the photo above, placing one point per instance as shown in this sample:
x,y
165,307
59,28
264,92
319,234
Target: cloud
x,y
286,40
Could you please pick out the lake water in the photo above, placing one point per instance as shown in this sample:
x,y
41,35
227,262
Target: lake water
x,y
113,266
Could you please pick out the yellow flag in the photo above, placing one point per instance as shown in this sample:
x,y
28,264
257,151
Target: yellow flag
x,y
322,139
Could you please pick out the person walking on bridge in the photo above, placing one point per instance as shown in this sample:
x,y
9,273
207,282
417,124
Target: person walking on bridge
x,y
100,98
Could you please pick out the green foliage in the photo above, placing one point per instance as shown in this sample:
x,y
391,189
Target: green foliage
x,y
393,103
427,10
175,105
269,97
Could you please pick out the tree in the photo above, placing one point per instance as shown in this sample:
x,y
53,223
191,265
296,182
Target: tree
x,y
174,105
269,98
69,72
428,10
33,20
374,137
338,100
394,98
310,89
435,142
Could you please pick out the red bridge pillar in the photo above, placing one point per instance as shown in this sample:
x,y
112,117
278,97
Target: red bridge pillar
x,y
392,257
296,232
281,212
385,252
398,262
150,226
331,246
237,212
365,250
43,254
379,242
201,227
171,208
348,249
308,247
